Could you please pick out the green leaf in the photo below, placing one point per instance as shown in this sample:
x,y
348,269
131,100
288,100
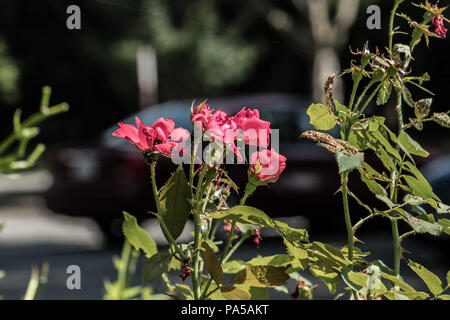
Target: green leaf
x,y
155,266
279,260
386,144
234,266
384,93
175,207
244,214
397,282
261,276
420,185
214,292
349,162
373,186
331,253
422,226
175,264
138,237
443,208
320,117
300,256
431,280
291,234
327,275
259,293
233,293
407,96
446,224
444,296
212,264
184,291
409,145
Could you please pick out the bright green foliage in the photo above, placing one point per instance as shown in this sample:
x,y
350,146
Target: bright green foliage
x,y
234,293
411,146
138,237
212,264
175,206
321,118
261,276
349,162
431,280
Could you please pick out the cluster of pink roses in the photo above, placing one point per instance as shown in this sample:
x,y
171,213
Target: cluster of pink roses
x,y
267,165
162,137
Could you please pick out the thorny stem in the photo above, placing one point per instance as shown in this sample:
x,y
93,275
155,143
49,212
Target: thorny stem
x,y
374,93
249,189
195,275
393,194
158,207
391,23
352,97
348,222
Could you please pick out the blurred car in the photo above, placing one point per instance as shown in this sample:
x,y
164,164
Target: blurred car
x,y
109,176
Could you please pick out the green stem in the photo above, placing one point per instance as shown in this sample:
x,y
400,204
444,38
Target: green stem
x,y
363,94
158,208
353,95
198,195
396,240
214,230
393,194
249,189
391,23
235,247
32,121
348,222
125,259
374,93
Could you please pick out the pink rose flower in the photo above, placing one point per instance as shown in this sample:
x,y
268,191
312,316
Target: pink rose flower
x,y
161,137
255,131
222,128
201,114
267,165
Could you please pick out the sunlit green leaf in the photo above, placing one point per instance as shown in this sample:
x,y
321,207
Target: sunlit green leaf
x,y
138,237
212,264
320,117
261,276
175,207
410,145
233,293
431,280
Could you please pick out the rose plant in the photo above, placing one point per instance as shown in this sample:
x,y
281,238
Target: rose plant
x,y
404,194
203,193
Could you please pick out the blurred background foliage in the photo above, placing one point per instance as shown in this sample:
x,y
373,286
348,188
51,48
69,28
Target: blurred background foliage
x,y
204,48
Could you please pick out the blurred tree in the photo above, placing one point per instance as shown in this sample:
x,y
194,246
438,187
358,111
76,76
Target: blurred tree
x,y
9,76
326,32
198,50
